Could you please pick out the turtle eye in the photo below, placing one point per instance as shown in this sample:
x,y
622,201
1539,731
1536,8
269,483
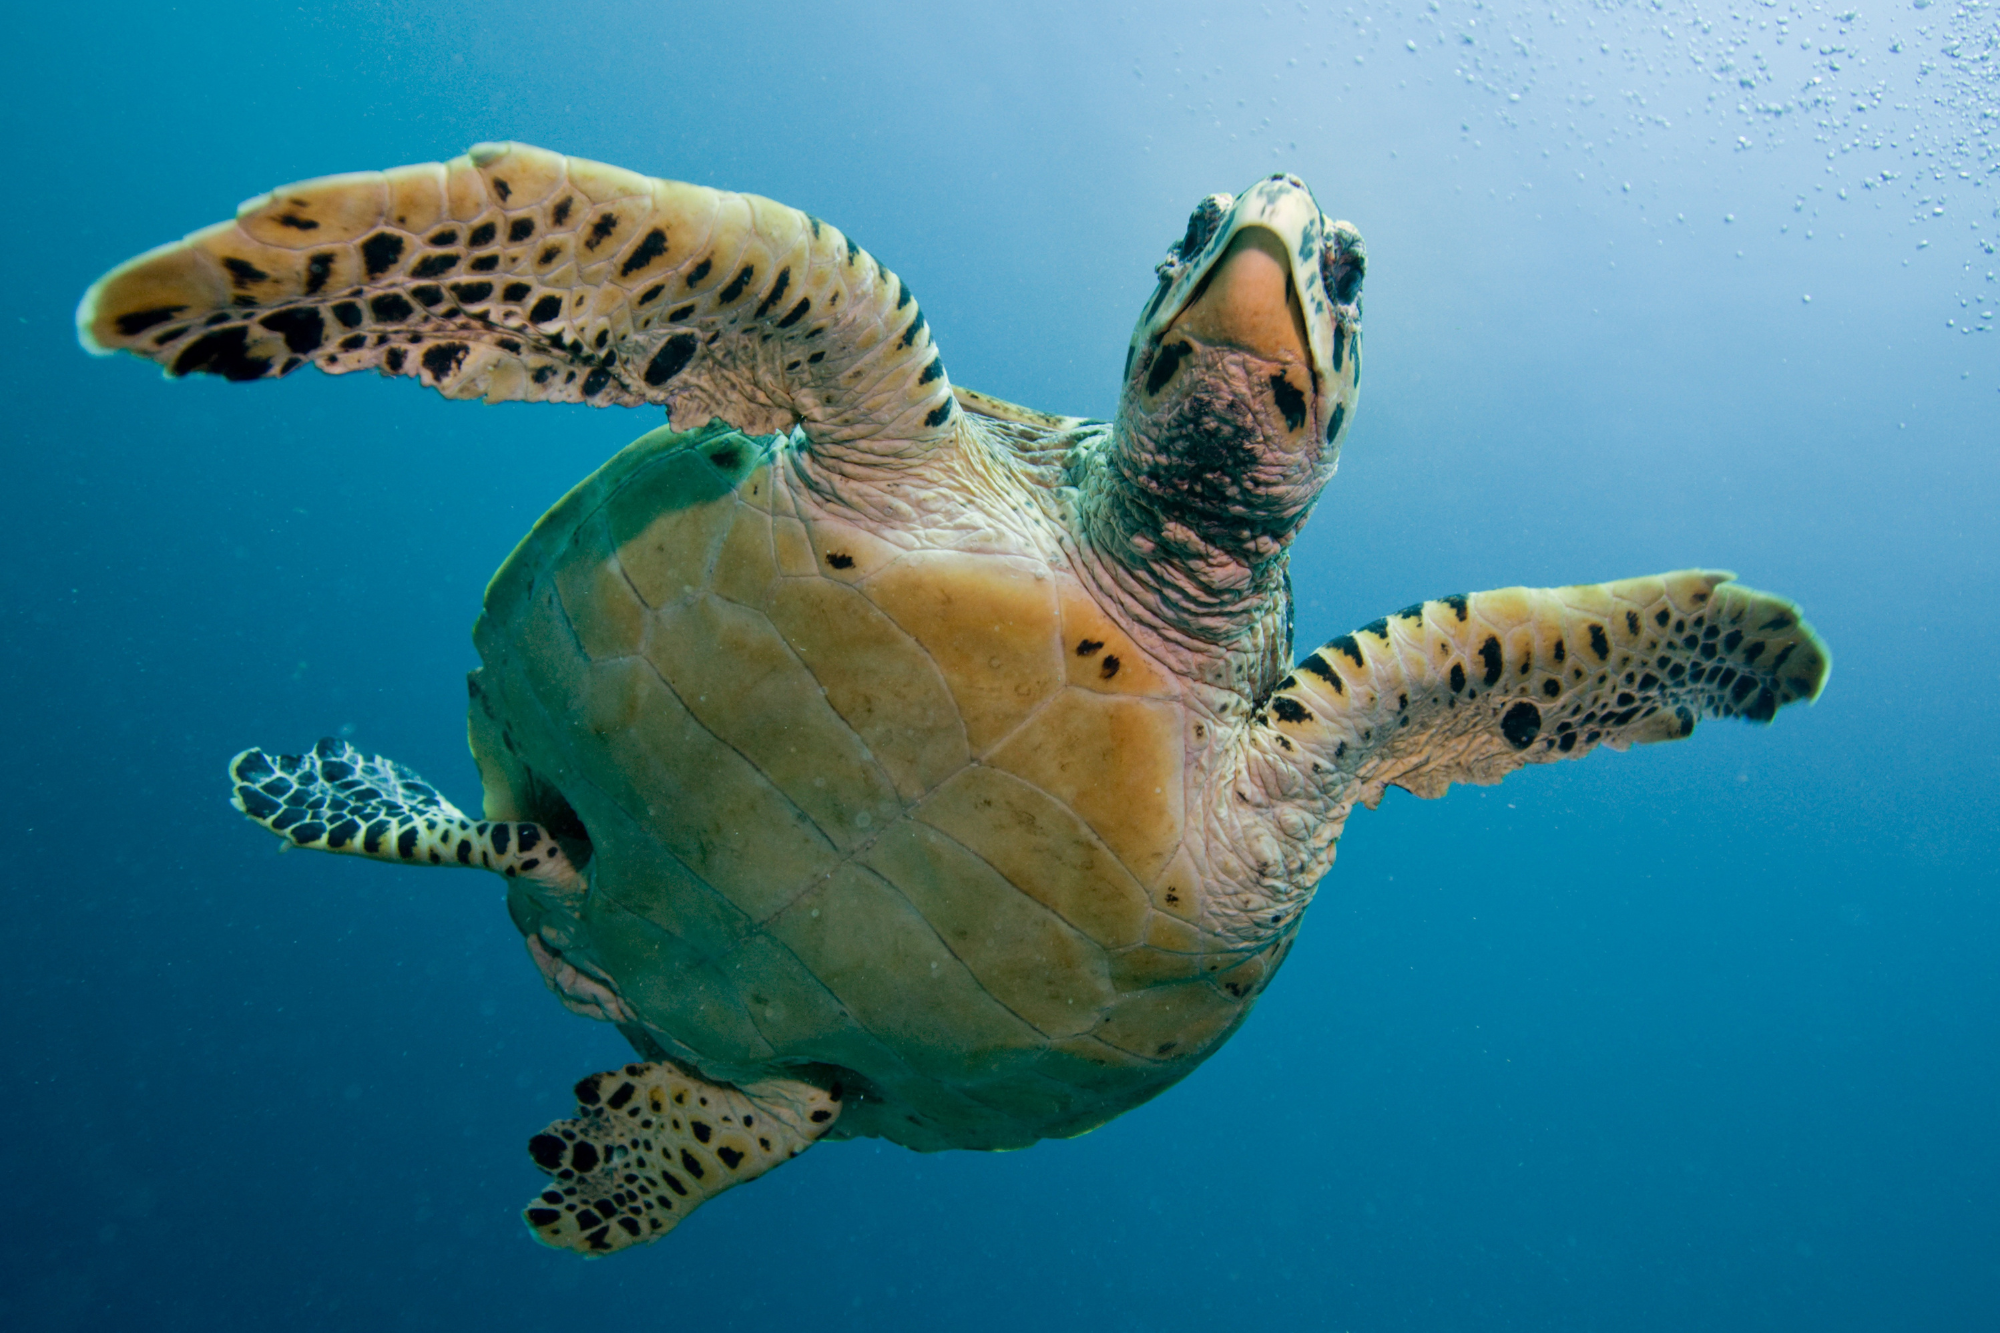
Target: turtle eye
x,y
1201,228
1343,261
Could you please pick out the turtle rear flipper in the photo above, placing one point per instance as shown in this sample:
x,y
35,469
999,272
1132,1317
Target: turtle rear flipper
x,y
650,1144
1470,688
335,799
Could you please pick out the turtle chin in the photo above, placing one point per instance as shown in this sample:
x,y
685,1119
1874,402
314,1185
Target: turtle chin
x,y
1224,453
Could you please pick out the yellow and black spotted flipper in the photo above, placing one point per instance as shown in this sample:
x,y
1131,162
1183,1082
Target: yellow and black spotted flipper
x,y
1468,689
516,273
650,1144
335,799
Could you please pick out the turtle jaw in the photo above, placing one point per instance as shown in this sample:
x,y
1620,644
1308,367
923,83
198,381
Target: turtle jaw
x,y
1249,300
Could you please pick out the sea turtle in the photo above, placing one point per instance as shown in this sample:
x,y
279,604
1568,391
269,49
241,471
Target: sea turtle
x,y
883,758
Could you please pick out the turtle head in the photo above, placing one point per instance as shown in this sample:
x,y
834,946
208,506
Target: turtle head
x,y
1239,384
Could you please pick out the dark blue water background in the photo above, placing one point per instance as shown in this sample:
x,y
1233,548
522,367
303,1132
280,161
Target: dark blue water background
x,y
1700,1036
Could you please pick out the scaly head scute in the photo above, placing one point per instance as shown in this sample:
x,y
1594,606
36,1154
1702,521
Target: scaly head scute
x,y
1239,383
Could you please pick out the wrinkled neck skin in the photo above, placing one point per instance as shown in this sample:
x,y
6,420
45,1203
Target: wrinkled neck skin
x,y
898,490
1192,500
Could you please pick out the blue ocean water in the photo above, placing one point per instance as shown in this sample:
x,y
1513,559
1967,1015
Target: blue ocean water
x,y
1698,1036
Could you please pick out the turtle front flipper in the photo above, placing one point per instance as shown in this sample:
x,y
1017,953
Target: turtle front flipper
x,y
650,1144
335,799
1470,688
517,273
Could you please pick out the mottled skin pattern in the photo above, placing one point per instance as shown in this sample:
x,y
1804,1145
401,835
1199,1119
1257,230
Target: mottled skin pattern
x,y
336,799
918,765
650,1144
517,274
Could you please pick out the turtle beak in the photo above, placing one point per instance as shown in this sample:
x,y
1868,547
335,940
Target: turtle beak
x,y
1249,299
1276,278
